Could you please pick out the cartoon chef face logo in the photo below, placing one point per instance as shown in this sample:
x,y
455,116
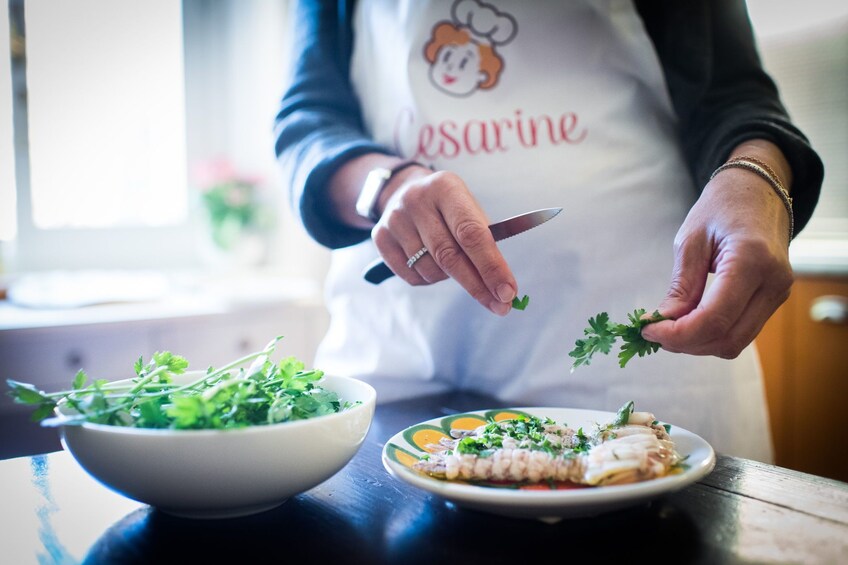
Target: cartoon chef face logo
x,y
463,52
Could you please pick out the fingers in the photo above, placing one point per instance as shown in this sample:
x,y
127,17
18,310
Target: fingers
x,y
750,284
733,231
441,214
473,259
692,260
395,258
722,337
434,234
388,236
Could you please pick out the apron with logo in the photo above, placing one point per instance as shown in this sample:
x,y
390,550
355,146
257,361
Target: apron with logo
x,y
535,105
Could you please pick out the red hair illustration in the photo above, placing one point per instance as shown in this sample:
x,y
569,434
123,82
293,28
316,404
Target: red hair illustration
x,y
446,33
462,52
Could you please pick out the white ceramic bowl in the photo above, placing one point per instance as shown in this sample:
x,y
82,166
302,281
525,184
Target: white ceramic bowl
x,y
225,473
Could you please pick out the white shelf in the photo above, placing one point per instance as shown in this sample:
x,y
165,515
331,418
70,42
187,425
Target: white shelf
x,y
819,256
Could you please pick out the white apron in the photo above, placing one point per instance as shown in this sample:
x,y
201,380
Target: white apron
x,y
576,114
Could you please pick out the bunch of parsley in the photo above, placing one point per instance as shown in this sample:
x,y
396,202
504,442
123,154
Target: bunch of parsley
x,y
602,334
230,397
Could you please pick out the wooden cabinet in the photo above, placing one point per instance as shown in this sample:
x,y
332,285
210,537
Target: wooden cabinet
x,y
805,362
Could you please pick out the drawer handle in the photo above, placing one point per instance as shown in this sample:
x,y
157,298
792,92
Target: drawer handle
x,y
830,309
73,360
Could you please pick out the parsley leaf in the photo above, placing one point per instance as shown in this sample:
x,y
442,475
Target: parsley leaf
x,y
602,334
599,337
520,304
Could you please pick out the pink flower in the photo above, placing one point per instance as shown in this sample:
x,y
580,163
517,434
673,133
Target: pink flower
x,y
207,174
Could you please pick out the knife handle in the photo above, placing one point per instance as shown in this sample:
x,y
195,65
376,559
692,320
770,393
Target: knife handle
x,y
377,272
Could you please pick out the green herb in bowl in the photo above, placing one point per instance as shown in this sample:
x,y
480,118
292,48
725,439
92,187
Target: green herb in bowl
x,y
229,397
218,443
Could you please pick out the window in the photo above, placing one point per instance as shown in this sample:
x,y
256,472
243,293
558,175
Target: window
x,y
115,104
106,113
100,134
8,224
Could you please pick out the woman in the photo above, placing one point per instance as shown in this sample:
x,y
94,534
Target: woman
x,y
618,113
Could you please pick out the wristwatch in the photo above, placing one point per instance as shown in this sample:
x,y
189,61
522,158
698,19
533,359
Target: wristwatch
x,y
375,182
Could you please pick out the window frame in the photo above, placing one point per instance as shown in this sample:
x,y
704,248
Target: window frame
x,y
36,249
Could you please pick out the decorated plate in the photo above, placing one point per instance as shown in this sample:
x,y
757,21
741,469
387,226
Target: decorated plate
x,y
543,501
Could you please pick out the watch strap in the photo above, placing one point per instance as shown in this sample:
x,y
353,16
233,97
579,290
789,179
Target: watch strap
x,y
375,183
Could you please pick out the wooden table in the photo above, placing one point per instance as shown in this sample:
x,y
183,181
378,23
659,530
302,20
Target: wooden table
x,y
744,511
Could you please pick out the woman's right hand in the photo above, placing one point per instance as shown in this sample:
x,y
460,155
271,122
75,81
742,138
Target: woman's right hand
x,y
437,211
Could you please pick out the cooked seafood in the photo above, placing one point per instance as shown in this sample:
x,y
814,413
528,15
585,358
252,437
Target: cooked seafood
x,y
633,447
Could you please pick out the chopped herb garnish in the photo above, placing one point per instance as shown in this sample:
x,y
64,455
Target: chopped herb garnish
x,y
583,441
520,303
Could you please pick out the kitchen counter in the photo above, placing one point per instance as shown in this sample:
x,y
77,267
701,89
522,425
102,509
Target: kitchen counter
x,y
68,298
742,512
819,256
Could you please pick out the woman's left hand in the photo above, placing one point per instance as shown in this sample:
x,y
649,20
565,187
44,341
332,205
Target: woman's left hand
x,y
737,230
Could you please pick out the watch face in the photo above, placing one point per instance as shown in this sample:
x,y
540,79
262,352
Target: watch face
x,y
367,202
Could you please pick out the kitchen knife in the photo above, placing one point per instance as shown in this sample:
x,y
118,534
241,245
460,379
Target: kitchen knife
x,y
378,271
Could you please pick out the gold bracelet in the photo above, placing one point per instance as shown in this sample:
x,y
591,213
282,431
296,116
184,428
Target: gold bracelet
x,y
756,166
764,165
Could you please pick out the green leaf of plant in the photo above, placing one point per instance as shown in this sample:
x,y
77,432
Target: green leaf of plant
x,y
174,363
79,380
599,325
186,411
220,399
602,334
623,414
289,367
151,414
520,304
42,412
25,393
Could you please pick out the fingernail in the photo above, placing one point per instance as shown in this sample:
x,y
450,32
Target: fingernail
x,y
506,293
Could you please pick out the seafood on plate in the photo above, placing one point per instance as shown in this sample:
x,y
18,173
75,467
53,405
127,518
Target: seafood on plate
x,y
633,447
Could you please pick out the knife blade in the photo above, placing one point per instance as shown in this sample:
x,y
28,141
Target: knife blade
x,y
377,271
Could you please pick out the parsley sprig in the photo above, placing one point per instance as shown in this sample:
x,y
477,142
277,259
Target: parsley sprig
x,y
233,396
602,334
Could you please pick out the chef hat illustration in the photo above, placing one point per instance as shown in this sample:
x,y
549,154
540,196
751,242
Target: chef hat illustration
x,y
484,21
